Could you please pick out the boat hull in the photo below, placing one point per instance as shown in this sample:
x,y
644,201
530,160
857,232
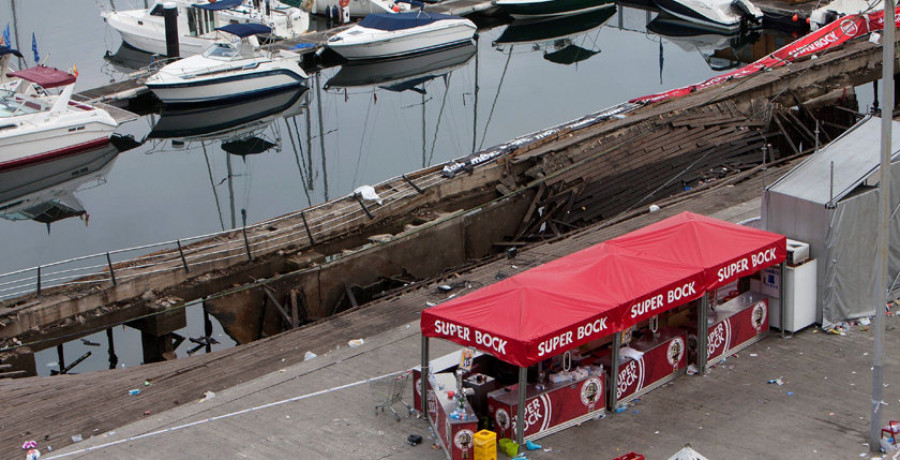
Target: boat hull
x,y
228,87
711,20
521,9
376,44
24,146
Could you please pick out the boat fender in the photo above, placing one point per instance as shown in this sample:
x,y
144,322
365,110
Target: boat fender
x,y
395,8
745,10
334,12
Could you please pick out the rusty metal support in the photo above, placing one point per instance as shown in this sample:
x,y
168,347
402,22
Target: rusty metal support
x,y
244,231
411,184
112,273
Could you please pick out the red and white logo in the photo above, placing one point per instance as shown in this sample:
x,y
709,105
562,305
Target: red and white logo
x,y
632,375
849,27
675,351
758,316
719,338
501,418
537,413
591,391
463,439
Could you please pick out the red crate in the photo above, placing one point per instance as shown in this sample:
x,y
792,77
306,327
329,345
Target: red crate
x,y
630,456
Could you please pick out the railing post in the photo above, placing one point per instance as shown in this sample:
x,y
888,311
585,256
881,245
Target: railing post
x,y
308,233
244,231
112,273
183,261
39,280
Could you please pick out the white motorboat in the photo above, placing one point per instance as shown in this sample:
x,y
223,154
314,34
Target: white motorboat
x,y
145,29
39,121
228,70
835,9
356,8
522,9
715,15
389,35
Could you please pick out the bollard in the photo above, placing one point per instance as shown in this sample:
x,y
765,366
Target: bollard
x,y
170,13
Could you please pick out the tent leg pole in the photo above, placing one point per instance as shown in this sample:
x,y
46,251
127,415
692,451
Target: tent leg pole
x,y
781,299
702,334
423,381
612,396
520,413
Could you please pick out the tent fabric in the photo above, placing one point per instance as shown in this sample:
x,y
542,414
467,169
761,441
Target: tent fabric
x,y
47,77
245,30
219,5
725,250
563,304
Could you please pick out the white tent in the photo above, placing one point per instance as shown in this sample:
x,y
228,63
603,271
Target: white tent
x,y
687,453
831,201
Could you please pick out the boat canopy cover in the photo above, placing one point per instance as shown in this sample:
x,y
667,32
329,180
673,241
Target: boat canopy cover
x,y
245,30
47,77
401,21
219,5
4,50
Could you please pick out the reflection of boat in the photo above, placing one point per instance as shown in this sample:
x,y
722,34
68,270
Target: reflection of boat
x,y
45,192
708,44
385,35
39,121
128,59
395,71
145,29
536,8
555,36
227,120
555,27
721,15
227,70
839,8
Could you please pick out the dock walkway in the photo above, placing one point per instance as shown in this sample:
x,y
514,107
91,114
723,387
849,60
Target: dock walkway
x,y
323,408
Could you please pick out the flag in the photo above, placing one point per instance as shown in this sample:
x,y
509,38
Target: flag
x,y
37,57
6,40
75,70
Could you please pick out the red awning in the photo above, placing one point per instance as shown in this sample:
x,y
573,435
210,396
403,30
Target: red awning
x,y
725,250
563,304
46,77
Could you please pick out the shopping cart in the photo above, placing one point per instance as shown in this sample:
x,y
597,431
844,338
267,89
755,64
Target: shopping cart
x,y
389,391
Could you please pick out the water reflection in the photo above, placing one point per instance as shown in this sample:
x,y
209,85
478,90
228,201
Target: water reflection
x,y
556,36
45,192
712,46
402,74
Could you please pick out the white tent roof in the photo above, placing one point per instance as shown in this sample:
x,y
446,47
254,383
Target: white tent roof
x,y
856,155
687,453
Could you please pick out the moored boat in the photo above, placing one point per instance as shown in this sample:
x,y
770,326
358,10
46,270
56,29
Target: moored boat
x,y
197,21
389,35
521,9
715,15
228,70
38,119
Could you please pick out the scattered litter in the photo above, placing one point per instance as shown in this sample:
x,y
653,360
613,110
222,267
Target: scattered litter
x,y
207,396
430,304
77,438
367,192
865,321
134,392
532,446
146,383
654,208
691,369
29,445
777,381
146,412
752,355
790,393
620,409
309,355
32,454
287,417
356,343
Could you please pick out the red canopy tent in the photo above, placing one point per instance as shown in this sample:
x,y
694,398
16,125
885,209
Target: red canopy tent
x,y
563,304
726,251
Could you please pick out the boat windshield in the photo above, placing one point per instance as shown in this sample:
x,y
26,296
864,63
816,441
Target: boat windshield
x,y
13,105
222,51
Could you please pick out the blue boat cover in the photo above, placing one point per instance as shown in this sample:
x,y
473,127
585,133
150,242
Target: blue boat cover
x,y
219,5
400,21
245,30
4,50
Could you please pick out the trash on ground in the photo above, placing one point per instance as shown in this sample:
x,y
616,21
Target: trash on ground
x,y
309,355
777,381
134,392
29,445
77,438
413,439
530,445
355,343
207,396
